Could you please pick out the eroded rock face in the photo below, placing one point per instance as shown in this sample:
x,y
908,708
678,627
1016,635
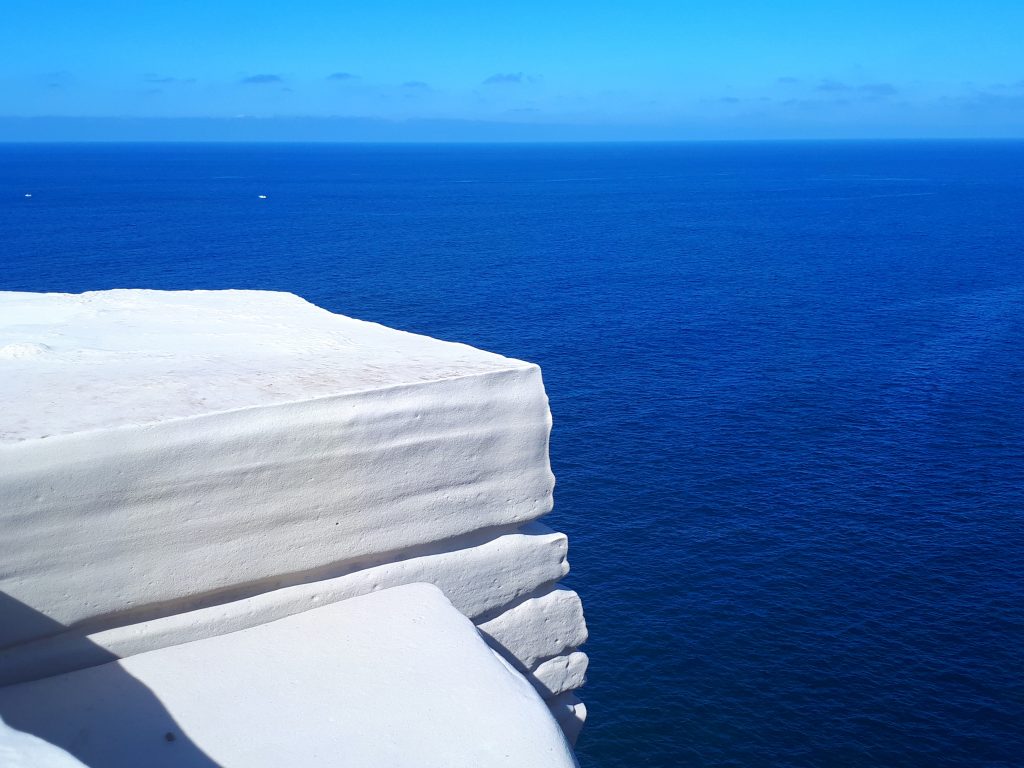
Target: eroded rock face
x,y
178,465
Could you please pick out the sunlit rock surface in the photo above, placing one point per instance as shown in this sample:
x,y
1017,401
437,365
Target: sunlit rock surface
x,y
23,750
175,466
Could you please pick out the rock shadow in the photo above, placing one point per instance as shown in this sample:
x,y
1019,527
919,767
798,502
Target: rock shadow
x,y
101,715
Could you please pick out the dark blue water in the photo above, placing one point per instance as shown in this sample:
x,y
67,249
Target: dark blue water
x,y
787,383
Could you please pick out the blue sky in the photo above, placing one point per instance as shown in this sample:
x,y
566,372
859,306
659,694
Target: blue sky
x,y
584,69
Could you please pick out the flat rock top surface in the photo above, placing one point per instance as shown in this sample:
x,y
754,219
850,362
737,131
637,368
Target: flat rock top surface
x,y
79,362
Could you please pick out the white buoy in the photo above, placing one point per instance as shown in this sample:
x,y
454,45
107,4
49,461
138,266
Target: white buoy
x,y
263,197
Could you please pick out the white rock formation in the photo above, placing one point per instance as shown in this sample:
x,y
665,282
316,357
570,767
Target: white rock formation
x,y
570,712
393,679
175,466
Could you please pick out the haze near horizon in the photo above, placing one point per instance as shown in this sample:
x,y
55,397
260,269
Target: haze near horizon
x,y
403,71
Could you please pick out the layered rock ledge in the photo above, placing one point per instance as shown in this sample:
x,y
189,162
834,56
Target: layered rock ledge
x,y
177,467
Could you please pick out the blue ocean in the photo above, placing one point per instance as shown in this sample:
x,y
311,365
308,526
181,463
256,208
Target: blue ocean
x,y
787,382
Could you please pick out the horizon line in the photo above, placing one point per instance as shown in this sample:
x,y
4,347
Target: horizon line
x,y
57,129
484,141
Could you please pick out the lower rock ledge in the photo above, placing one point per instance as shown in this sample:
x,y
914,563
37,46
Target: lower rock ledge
x,y
392,679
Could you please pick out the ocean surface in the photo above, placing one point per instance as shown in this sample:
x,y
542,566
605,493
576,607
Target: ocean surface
x,y
787,382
